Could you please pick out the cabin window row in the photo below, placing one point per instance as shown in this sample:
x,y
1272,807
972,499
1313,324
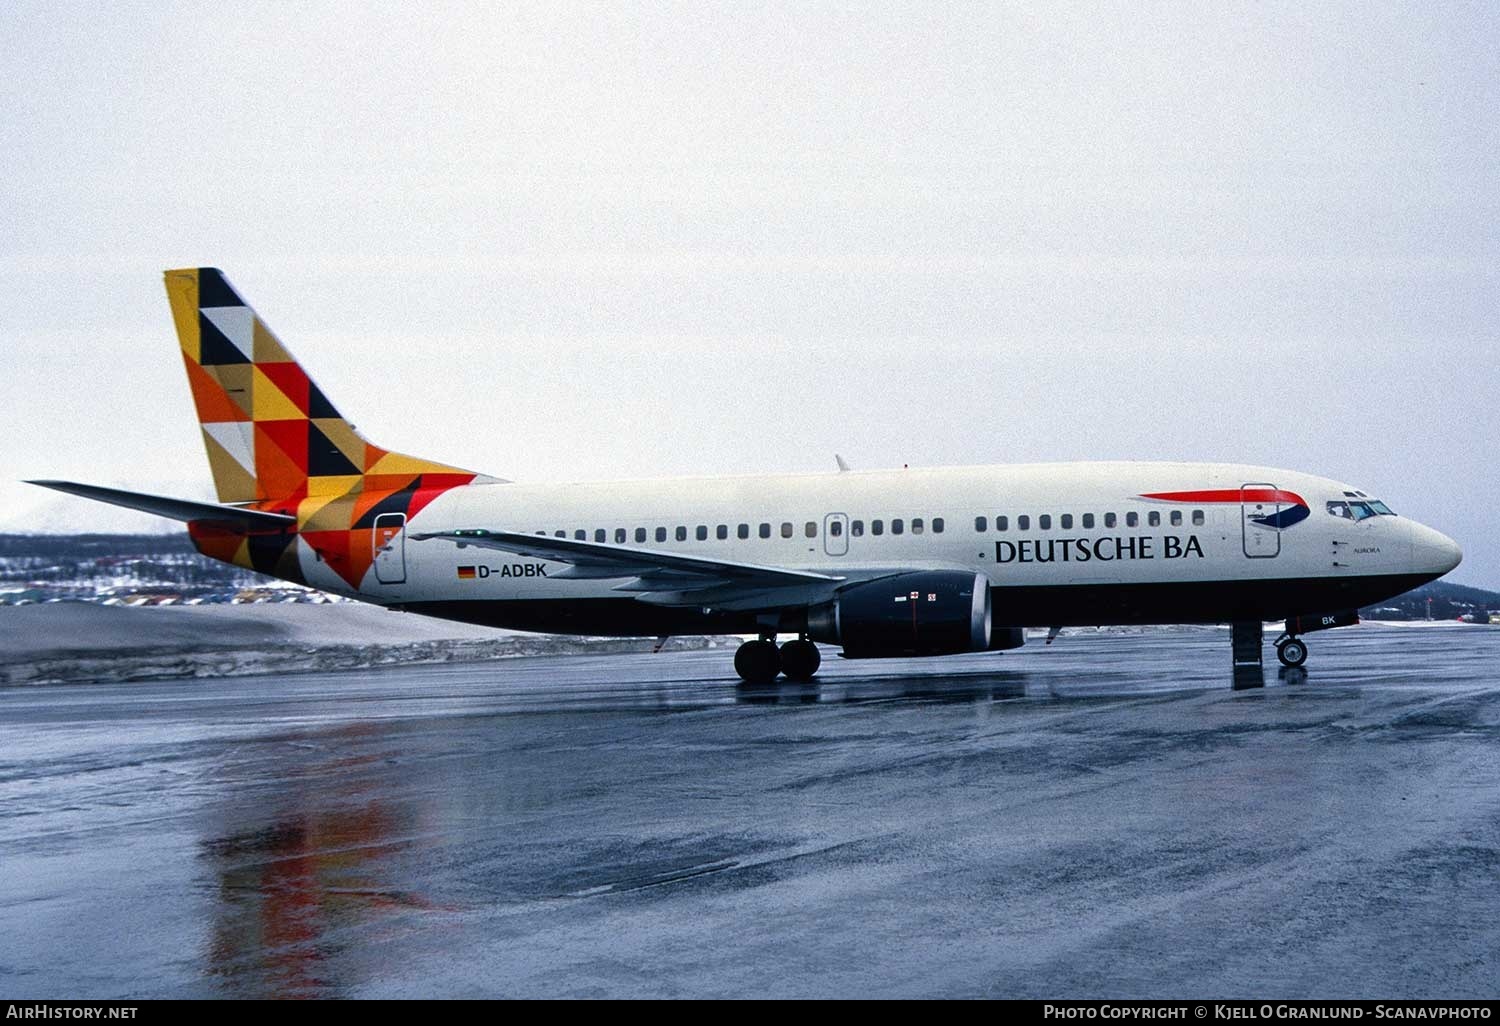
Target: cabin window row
x,y
897,525
1088,521
721,532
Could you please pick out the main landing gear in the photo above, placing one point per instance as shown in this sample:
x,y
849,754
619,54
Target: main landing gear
x,y
758,662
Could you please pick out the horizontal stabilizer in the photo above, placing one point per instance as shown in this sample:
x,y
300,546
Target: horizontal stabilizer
x,y
178,509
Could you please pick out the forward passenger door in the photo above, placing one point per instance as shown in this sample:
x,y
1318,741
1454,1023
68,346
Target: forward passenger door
x,y
1257,502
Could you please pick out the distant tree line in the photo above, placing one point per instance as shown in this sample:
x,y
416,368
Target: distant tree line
x,y
85,559
1447,602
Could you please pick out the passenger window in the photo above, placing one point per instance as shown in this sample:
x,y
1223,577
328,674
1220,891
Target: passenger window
x,y
877,527
580,536
1044,522
661,534
937,525
898,526
721,532
981,524
600,535
702,532
1109,520
1088,521
681,533
1153,518
560,534
765,530
857,528
1132,519
836,528
1177,518
786,529
811,529
1023,522
1197,518
916,525
1002,523
619,536
1067,521
640,535
743,531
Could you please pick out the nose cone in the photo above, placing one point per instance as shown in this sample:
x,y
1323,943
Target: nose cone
x,y
1433,552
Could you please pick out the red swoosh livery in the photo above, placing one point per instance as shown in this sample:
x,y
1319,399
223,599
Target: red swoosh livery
x,y
1263,495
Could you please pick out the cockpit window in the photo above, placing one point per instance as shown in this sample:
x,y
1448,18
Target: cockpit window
x,y
1359,509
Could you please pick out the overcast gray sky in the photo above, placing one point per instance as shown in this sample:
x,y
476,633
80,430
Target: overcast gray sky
x,y
556,243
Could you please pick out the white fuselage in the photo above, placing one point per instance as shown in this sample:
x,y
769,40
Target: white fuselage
x,y
1060,543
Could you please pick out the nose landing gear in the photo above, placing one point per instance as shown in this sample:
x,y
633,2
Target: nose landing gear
x,y
1292,651
758,662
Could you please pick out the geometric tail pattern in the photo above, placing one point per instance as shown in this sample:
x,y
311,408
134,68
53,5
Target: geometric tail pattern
x,y
275,442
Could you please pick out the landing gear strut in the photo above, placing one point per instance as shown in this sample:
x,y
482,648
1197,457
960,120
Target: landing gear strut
x,y
758,662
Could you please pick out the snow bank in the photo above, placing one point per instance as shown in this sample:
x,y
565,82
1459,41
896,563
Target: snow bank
x,y
70,642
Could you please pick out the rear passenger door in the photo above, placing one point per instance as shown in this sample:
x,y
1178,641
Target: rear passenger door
x,y
390,548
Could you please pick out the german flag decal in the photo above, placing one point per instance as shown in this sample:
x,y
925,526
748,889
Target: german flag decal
x,y
466,573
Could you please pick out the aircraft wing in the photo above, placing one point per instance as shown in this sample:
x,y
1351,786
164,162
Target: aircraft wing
x,y
178,509
660,578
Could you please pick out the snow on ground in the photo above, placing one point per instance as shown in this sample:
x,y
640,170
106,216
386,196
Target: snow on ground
x,y
74,642
30,631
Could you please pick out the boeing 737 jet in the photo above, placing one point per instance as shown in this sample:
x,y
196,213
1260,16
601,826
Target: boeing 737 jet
x,y
880,563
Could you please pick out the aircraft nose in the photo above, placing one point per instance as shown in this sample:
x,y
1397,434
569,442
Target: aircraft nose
x,y
1434,552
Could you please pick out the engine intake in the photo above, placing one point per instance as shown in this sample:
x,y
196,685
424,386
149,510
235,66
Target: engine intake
x,y
923,613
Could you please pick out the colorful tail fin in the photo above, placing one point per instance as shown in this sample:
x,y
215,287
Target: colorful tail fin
x,y
271,434
275,440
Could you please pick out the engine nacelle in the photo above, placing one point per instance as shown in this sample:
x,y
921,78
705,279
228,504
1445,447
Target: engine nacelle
x,y
936,612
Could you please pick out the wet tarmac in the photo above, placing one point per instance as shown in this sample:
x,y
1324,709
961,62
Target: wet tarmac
x,y
1107,817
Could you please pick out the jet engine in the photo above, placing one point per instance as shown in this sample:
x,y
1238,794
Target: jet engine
x,y
923,613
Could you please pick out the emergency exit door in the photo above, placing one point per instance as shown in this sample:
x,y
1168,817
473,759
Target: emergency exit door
x,y
836,534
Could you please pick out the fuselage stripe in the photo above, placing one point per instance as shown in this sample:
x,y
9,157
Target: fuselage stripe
x,y
1234,495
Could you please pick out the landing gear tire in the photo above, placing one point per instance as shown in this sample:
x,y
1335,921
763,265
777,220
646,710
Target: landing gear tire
x,y
757,662
1292,652
800,660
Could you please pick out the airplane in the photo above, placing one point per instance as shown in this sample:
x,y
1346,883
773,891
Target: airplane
x,y
885,563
